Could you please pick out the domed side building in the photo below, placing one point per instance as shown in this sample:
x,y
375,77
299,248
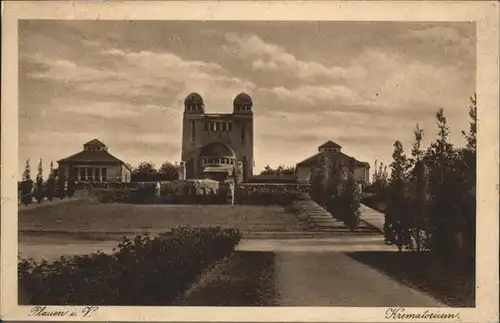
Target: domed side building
x,y
215,145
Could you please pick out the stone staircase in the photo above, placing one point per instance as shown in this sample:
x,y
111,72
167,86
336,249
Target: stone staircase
x,y
318,219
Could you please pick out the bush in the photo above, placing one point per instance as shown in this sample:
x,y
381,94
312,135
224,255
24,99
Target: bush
x,y
71,188
143,271
265,195
345,206
39,192
50,188
174,192
61,187
26,192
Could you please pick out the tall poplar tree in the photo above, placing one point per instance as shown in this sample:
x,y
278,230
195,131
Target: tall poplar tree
x,y
50,185
39,189
26,185
442,188
397,211
418,194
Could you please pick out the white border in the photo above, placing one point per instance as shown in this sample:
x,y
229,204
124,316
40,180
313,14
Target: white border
x,y
484,13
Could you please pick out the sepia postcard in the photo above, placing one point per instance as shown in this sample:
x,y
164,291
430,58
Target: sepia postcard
x,y
250,161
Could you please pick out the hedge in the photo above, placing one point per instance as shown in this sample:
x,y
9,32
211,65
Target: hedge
x,y
141,271
174,192
262,196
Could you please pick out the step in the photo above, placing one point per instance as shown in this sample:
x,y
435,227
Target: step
x,y
328,216
329,225
325,220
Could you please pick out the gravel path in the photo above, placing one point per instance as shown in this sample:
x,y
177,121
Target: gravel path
x,y
334,279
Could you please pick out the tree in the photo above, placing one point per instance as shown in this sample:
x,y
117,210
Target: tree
x,y
50,185
380,186
471,136
145,172
169,171
467,171
71,186
61,185
267,170
39,189
26,185
280,170
418,193
349,202
443,189
375,175
289,170
397,216
325,183
146,167
27,171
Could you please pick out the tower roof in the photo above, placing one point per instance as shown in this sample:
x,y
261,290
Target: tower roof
x,y
330,144
242,99
193,98
95,142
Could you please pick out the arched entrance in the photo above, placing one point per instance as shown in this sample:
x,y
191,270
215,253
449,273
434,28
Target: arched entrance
x,y
217,161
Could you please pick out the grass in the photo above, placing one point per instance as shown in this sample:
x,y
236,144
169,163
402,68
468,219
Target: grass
x,y
80,227
91,216
454,285
245,279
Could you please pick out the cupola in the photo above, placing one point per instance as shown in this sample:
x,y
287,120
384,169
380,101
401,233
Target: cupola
x,y
194,103
329,146
243,104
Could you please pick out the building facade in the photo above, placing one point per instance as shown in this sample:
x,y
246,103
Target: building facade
x,y
330,153
94,164
215,145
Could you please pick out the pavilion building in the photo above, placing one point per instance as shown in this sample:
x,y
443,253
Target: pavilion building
x,y
330,152
94,164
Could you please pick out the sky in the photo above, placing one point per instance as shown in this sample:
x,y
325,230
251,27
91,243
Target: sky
x,y
362,85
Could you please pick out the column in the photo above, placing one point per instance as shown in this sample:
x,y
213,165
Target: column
x,y
97,174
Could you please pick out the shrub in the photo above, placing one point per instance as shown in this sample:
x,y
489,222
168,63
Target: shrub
x,y
70,189
114,195
50,188
345,206
142,271
266,195
26,192
61,186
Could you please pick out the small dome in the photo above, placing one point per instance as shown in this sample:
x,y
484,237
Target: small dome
x,y
217,149
193,99
242,99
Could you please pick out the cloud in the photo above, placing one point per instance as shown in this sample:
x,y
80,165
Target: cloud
x,y
269,57
141,77
110,110
365,88
458,40
63,70
446,34
312,94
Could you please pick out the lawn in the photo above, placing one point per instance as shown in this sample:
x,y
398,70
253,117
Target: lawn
x,y
245,279
81,227
452,284
91,216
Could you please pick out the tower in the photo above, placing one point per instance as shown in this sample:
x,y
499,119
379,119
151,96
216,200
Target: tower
x,y
214,143
243,115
